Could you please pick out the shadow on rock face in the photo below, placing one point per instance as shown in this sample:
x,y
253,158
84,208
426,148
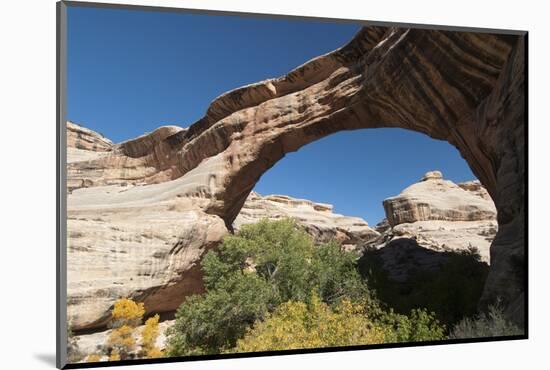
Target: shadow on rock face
x,y
405,276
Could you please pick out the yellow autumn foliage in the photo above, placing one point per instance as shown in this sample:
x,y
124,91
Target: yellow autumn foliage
x,y
149,336
296,325
122,339
115,355
150,331
154,352
94,357
127,312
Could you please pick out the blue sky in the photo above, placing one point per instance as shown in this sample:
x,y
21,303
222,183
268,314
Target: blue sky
x,y
130,71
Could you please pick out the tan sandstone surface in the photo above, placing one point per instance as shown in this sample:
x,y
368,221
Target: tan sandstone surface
x,y
442,215
431,218
145,241
317,218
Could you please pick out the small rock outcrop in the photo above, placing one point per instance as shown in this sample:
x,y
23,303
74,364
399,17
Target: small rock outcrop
x,y
84,144
436,199
82,138
432,175
431,218
317,219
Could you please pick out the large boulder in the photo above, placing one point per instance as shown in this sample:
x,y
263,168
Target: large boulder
x,y
441,216
436,199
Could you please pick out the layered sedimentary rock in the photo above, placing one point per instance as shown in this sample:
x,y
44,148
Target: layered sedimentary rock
x,y
144,160
436,199
84,144
82,138
466,88
145,241
317,219
146,251
432,218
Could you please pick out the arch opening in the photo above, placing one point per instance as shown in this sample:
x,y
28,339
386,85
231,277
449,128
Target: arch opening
x,y
345,187
404,82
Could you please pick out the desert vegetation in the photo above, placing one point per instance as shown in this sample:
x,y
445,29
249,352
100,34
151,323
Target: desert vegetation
x,y
127,340
269,287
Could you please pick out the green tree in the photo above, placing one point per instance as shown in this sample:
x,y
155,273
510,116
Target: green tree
x,y
273,262
253,272
207,323
335,275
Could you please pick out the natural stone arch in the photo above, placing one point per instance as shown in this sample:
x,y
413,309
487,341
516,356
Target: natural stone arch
x,y
465,88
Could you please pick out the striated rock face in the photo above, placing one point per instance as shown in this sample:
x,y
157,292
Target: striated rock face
x,y
317,219
144,160
450,236
146,251
145,241
434,198
463,87
431,218
82,138
84,144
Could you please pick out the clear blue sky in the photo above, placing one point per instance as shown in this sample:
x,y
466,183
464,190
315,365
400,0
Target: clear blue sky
x,y
131,71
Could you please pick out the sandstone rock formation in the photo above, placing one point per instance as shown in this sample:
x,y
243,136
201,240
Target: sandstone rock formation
x,y
317,219
145,241
434,198
432,217
84,139
464,87
149,252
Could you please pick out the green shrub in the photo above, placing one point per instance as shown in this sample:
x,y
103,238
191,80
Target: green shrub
x,y
208,323
253,272
490,324
272,263
419,325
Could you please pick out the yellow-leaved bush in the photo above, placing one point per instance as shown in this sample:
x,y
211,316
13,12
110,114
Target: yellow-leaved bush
x,y
127,312
295,325
122,341
94,357
115,356
149,336
125,317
